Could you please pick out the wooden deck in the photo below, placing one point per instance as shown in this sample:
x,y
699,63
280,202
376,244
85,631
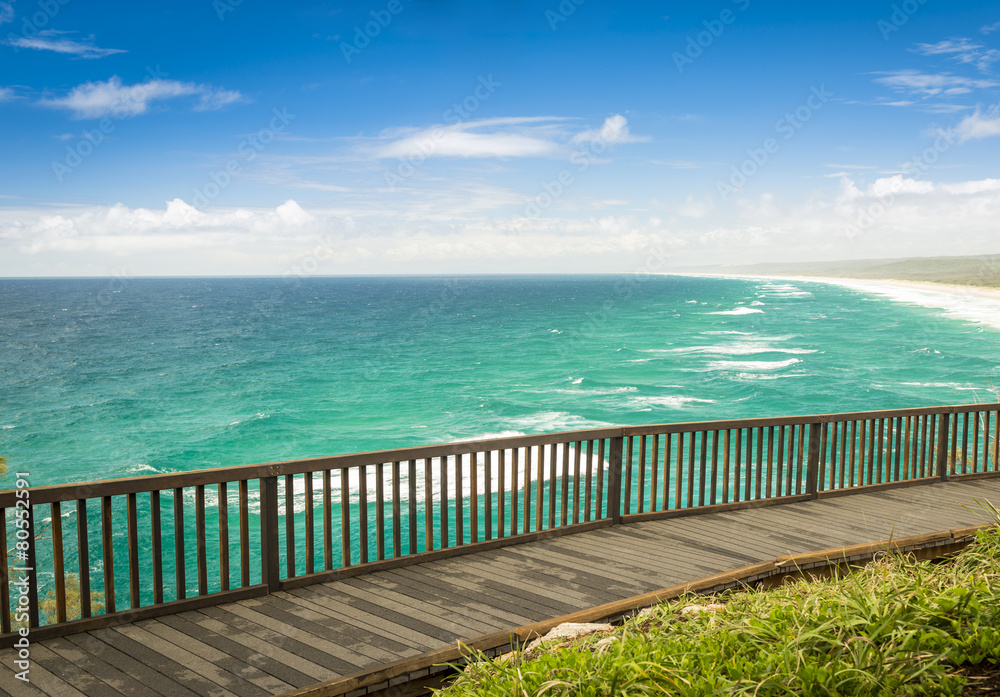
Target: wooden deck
x,y
292,639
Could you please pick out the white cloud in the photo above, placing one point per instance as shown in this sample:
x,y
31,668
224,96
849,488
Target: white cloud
x,y
978,125
6,94
6,12
990,28
531,136
613,131
932,84
961,50
52,40
112,98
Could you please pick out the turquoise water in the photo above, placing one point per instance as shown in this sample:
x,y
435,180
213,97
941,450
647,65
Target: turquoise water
x,y
109,378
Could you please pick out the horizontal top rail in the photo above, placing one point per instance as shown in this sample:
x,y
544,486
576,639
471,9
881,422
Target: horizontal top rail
x,y
159,482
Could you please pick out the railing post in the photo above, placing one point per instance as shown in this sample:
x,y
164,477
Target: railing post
x,y
615,479
942,447
812,463
269,533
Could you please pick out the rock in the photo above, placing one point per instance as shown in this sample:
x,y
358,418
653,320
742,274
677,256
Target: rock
x,y
604,644
701,609
568,630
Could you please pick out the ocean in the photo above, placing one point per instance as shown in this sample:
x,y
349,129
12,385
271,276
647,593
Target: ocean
x,y
105,378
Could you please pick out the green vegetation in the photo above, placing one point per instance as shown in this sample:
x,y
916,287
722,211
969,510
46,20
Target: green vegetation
x,y
895,627
982,270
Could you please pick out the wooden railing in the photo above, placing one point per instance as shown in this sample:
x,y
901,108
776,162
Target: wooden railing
x,y
90,555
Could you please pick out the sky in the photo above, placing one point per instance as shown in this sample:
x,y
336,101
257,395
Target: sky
x,y
238,137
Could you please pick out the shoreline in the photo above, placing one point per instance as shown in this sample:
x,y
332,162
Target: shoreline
x,y
976,304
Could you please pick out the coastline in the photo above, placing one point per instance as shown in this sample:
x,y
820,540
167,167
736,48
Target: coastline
x,y
976,304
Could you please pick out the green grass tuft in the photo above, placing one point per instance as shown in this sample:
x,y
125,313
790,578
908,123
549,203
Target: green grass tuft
x,y
895,627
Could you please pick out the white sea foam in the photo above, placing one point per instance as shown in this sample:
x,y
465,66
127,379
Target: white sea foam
x,y
949,385
673,402
595,391
752,365
738,311
738,349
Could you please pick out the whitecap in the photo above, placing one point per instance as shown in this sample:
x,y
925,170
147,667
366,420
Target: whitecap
x,y
739,311
752,365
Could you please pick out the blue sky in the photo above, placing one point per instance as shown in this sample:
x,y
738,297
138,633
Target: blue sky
x,y
224,137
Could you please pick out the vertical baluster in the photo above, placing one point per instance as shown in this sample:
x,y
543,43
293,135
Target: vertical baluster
x,y
156,533
642,473
289,526
770,462
132,528
412,505
977,420
564,486
880,474
345,518
654,474
459,504
702,468
821,478
363,513
801,461
678,475
310,531
715,468
577,483
270,562
473,497
83,554
738,464
928,429
907,471
870,426
897,458
692,452
428,506
599,491
380,530
58,563
327,520
553,462
996,441
748,485
785,458
759,469
445,508
397,512
540,487
108,553
502,493
725,466
201,547
180,572
244,504
488,496
224,536
515,484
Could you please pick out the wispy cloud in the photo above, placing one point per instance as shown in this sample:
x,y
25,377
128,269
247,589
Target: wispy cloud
x,y
961,50
979,125
932,84
6,94
6,12
990,28
506,137
112,98
60,42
